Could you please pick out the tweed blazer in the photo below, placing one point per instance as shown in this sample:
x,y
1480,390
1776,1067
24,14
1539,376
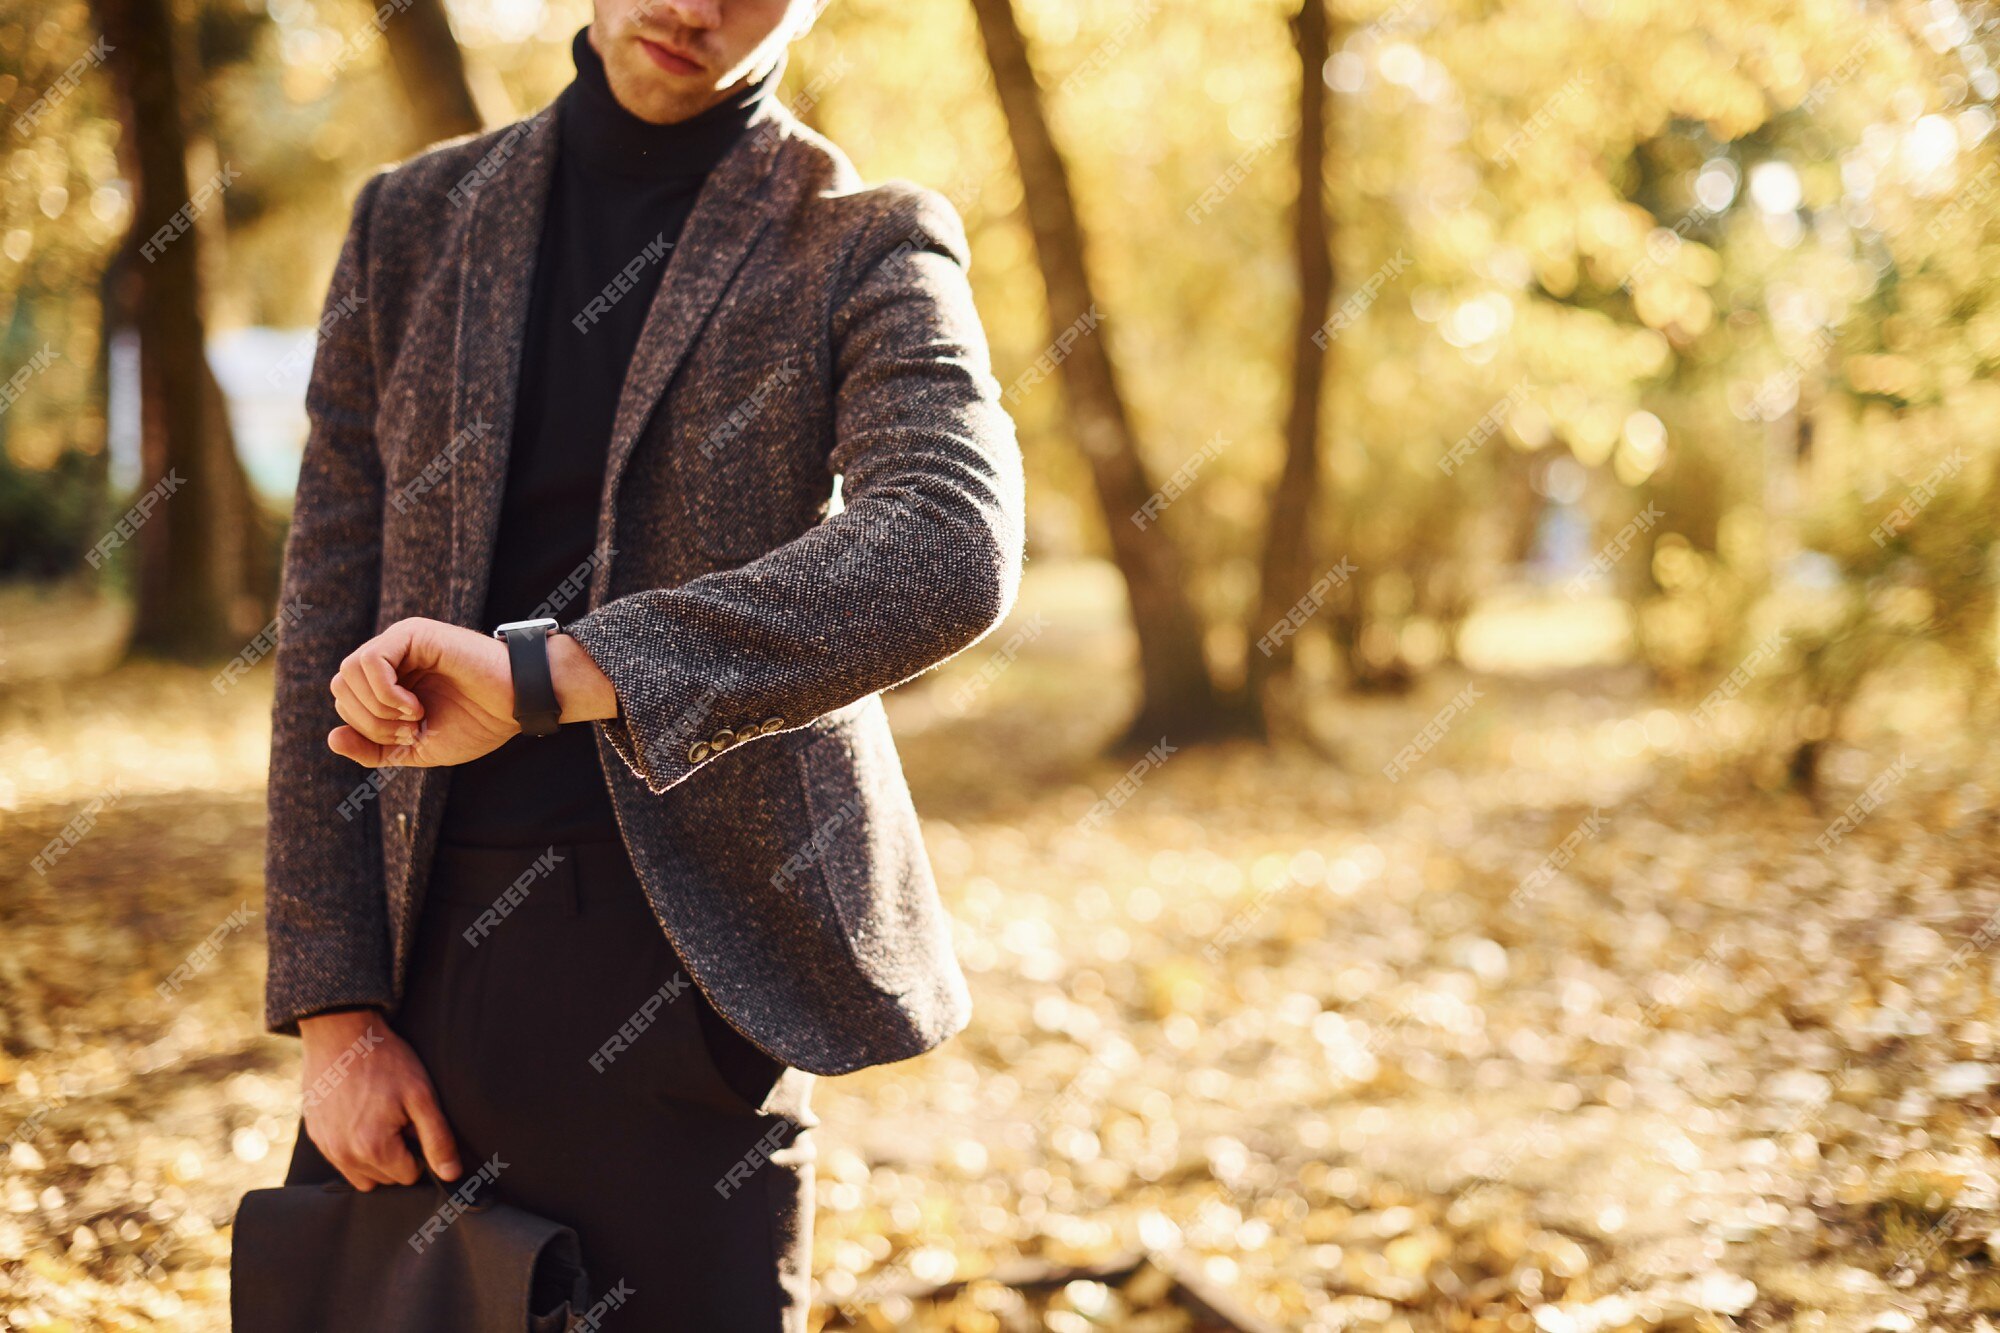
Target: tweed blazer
x,y
748,610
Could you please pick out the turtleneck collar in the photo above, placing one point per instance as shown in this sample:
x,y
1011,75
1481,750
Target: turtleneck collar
x,y
599,132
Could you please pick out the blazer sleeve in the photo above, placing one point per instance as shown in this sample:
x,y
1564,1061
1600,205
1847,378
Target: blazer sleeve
x,y
324,903
923,561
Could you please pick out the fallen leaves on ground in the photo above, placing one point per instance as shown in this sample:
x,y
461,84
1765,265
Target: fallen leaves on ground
x,y
1566,1029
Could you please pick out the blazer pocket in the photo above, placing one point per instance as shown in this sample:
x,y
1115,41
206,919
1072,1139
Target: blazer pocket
x,y
863,853
730,472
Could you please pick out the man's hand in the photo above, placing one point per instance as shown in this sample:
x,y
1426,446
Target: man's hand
x,y
363,1086
424,694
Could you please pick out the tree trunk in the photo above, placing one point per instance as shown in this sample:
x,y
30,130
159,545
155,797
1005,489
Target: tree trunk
x,y
1287,574
197,590
431,70
1178,694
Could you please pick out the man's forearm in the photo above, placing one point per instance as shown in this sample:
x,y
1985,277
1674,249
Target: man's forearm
x,y
332,1009
583,690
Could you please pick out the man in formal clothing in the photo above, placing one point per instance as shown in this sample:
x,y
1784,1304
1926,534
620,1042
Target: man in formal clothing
x,y
600,893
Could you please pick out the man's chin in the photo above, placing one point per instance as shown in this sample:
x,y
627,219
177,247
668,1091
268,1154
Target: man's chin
x,y
653,94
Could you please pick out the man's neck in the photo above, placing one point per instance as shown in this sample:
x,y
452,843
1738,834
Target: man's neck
x,y
601,131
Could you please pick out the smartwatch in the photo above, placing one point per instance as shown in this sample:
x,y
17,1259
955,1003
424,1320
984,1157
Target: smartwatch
x,y
535,706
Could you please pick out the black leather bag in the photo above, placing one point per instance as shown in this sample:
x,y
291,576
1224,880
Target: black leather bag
x,y
424,1258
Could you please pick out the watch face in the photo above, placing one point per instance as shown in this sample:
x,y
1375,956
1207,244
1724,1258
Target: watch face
x,y
545,623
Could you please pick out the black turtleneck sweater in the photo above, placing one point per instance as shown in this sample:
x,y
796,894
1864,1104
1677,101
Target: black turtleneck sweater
x,y
622,190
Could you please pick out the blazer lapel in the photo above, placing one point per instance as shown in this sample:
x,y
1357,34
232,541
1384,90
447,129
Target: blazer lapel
x,y
731,211
496,273
496,277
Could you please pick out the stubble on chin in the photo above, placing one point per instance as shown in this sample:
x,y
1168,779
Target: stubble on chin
x,y
640,87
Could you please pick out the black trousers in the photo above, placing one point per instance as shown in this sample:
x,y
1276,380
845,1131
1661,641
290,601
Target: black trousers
x,y
564,1036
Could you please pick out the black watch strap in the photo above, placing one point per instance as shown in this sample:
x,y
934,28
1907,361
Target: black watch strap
x,y
535,706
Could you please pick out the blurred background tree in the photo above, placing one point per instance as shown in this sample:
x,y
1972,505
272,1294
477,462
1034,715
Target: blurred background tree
x,y
206,568
1177,692
1640,325
431,72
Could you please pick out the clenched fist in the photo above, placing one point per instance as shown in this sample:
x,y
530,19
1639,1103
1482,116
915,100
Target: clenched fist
x,y
424,694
